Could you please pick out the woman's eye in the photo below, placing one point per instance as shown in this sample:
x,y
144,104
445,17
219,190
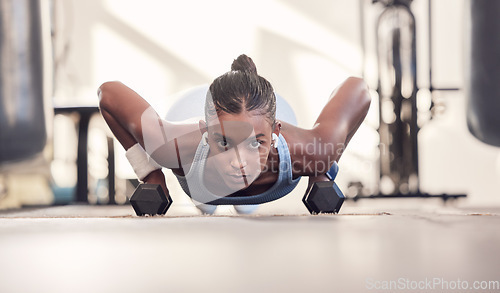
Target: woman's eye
x,y
255,144
222,144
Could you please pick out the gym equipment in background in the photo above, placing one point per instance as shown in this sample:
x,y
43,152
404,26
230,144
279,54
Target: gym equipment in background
x,y
483,68
24,98
25,103
397,90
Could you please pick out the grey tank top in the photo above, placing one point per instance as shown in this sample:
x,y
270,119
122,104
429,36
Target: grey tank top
x,y
192,182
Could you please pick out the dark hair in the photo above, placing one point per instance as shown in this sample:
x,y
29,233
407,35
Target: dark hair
x,y
241,89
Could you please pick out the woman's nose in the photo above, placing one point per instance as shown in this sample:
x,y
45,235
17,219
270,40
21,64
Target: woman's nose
x,y
238,161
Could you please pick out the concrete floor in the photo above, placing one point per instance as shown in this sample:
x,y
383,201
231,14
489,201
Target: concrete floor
x,y
107,249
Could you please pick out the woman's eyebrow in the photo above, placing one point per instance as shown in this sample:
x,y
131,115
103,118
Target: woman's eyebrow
x,y
255,137
219,135
223,137
229,139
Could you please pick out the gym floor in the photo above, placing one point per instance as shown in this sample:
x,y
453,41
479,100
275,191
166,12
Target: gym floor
x,y
81,248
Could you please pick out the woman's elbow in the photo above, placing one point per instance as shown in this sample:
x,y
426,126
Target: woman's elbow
x,y
357,84
105,94
365,98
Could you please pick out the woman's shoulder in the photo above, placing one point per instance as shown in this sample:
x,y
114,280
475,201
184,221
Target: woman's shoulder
x,y
295,136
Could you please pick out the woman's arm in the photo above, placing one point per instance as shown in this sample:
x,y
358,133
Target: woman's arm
x,y
122,108
132,120
344,113
314,150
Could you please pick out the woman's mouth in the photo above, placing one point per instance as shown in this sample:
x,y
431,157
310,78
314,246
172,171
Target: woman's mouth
x,y
238,178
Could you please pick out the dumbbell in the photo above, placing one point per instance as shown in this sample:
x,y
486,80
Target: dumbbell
x,y
150,199
324,196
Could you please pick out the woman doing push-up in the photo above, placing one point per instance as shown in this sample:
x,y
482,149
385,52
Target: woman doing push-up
x,y
240,154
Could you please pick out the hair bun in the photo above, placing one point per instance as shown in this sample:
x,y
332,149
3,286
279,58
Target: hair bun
x,y
244,63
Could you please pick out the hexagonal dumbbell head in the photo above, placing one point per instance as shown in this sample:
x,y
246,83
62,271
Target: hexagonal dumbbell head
x,y
149,199
324,197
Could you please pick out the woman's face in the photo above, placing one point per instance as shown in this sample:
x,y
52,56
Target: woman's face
x,y
239,147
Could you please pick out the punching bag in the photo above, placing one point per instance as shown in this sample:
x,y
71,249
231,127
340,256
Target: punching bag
x,y
22,114
483,70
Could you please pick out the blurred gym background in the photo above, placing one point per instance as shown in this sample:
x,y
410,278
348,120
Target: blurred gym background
x,y
56,149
